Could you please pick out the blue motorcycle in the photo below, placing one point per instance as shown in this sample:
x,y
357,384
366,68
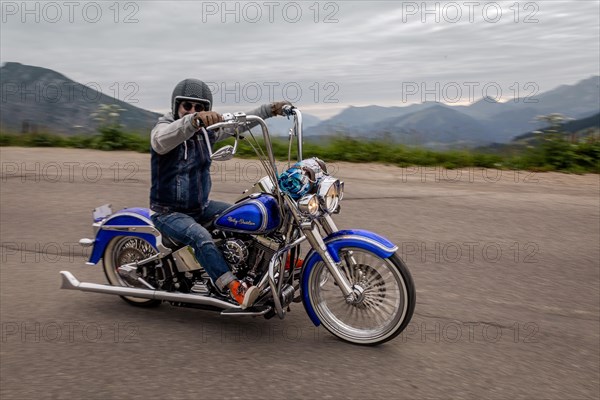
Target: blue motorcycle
x,y
351,281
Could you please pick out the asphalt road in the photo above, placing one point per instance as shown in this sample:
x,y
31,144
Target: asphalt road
x,y
506,266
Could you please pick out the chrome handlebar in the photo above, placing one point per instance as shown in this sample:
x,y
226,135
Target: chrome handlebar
x,y
240,119
297,130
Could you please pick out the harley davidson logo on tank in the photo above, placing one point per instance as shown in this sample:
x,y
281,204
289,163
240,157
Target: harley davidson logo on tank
x,y
240,221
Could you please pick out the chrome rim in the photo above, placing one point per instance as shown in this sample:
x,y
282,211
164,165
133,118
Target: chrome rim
x,y
381,306
124,251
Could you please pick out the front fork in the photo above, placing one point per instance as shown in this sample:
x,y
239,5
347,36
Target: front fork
x,y
313,235
311,232
330,227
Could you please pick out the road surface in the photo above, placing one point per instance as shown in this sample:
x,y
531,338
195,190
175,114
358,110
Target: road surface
x,y
506,266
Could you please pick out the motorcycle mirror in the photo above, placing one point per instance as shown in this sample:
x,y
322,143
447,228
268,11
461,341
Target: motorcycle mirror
x,y
223,154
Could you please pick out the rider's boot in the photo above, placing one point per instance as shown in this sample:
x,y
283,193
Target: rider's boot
x,y
242,293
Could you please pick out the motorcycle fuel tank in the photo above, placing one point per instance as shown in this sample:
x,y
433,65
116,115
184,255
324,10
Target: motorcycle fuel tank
x,y
257,214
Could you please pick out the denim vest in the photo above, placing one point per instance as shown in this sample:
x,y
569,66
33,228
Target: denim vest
x,y
181,178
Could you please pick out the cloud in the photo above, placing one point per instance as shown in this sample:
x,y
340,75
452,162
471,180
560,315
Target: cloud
x,y
351,52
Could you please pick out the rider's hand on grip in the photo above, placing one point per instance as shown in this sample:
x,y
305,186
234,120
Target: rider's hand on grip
x,y
277,107
206,118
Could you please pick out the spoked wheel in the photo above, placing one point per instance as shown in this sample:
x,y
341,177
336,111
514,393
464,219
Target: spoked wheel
x,y
384,301
124,250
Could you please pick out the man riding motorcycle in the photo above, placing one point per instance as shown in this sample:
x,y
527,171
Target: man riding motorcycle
x,y
181,182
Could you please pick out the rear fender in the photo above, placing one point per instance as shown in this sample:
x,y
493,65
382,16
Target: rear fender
x,y
128,222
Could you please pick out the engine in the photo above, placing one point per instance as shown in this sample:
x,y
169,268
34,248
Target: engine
x,y
235,252
249,258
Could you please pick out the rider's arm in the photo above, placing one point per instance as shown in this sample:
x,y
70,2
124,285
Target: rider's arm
x,y
263,112
168,134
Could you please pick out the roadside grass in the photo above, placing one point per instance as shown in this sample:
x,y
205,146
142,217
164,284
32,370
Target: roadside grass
x,y
552,154
109,139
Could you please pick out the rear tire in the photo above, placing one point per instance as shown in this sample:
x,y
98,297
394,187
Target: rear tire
x,y
123,250
386,306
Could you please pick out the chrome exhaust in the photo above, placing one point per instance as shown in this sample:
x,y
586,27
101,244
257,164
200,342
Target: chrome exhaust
x,y
71,283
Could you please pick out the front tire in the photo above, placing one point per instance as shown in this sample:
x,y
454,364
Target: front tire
x,y
123,250
385,306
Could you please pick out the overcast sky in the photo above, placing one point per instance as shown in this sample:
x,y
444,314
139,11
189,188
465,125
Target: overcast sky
x,y
324,56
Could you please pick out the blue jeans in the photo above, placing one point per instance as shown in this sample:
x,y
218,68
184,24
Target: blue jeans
x,y
186,229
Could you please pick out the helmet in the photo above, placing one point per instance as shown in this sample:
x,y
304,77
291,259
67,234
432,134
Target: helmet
x,y
192,90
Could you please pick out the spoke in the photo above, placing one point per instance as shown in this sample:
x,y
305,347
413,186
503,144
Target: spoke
x,y
385,312
348,314
363,258
388,309
383,319
353,311
347,270
374,277
387,305
383,301
370,317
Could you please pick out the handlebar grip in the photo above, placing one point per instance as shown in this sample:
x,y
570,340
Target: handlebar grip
x,y
288,110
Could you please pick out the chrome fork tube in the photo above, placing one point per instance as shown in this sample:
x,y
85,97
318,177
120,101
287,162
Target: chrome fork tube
x,y
316,241
328,225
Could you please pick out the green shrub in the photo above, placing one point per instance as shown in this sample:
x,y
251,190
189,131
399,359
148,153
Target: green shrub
x,y
554,153
8,140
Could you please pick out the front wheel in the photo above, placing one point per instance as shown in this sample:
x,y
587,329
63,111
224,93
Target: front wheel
x,y
379,313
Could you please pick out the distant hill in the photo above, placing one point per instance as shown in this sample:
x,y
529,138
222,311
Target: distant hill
x,y
581,128
434,125
589,123
40,99
281,126
484,121
358,121
575,101
483,108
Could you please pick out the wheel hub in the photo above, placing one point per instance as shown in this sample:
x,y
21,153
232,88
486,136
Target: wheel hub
x,y
130,255
357,296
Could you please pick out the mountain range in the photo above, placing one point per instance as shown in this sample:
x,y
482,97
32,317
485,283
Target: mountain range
x,y
40,99
36,98
433,124
584,127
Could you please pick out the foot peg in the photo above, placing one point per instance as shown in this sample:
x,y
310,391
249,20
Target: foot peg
x,y
253,311
200,288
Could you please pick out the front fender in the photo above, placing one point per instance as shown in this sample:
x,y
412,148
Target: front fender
x,y
358,238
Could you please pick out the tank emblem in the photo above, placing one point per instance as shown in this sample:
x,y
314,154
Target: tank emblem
x,y
240,221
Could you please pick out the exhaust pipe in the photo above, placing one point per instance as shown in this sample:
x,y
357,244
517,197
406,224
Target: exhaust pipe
x,y
71,283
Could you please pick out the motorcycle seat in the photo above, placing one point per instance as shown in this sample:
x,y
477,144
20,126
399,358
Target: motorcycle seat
x,y
171,243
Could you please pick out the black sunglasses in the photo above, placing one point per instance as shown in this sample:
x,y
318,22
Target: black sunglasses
x,y
187,106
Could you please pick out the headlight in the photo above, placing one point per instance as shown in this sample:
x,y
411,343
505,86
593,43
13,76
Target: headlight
x,y
309,205
330,191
